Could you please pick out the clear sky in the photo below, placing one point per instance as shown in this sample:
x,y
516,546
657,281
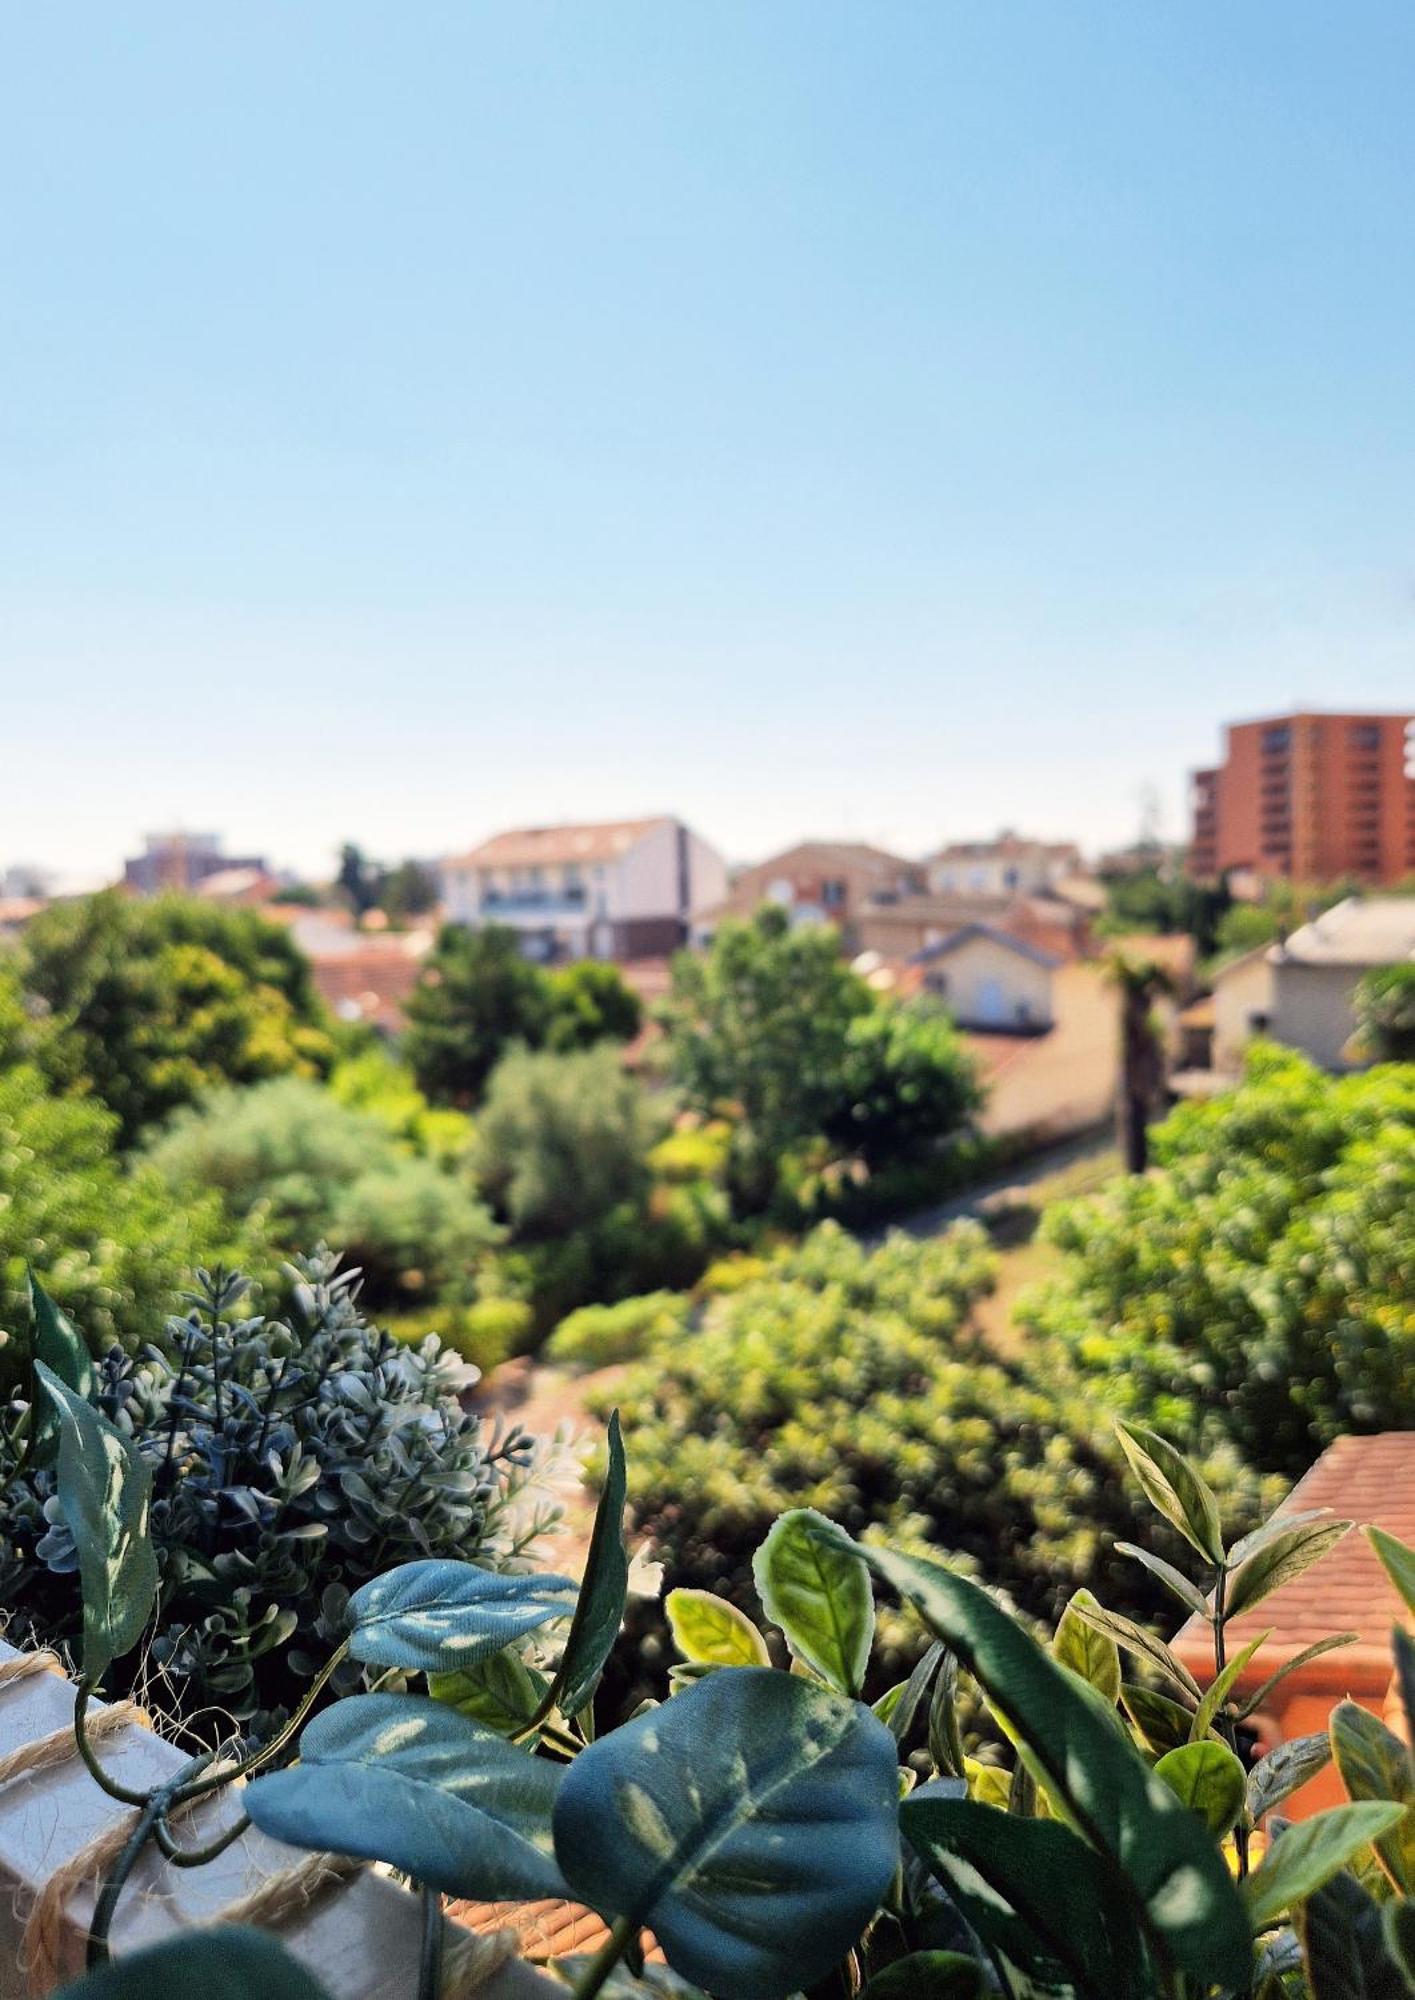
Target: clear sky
x,y
883,417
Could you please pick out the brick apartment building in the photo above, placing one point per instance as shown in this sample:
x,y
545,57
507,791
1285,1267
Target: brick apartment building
x,y
1312,797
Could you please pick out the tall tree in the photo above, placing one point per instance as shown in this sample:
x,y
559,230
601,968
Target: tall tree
x,y
477,996
1140,982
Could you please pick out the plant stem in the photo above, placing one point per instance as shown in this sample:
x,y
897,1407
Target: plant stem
x,y
606,1958
122,1793
430,1962
277,1742
98,1952
197,1857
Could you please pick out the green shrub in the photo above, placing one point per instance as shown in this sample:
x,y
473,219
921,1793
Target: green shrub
x,y
1257,1284
725,1275
375,1082
483,1334
693,1153
562,1140
597,1336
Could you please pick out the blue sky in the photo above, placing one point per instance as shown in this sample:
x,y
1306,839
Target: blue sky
x,y
805,415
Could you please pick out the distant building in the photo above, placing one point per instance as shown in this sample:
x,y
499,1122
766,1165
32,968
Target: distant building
x,y
1007,866
901,927
817,882
991,981
1310,797
626,889
181,861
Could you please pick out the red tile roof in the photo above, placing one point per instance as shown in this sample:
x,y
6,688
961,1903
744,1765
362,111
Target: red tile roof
x,y
530,846
1368,1480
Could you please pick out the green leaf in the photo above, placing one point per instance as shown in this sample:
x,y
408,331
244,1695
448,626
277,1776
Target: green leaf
x,y
751,1823
1276,1524
1276,1776
1344,1949
945,1736
1174,1488
1286,1556
1209,1779
105,1492
708,1630
65,1353
1256,1700
1405,1676
600,1610
928,1975
820,1598
1163,1723
395,1778
1399,1930
1189,1594
1397,1560
502,1692
1310,1853
224,1964
438,1616
1133,1638
1034,1893
1124,1811
1218,1689
1375,1764
1091,1654
901,1716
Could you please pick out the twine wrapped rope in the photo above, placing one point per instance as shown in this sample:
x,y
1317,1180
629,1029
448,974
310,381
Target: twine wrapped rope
x,y
468,1960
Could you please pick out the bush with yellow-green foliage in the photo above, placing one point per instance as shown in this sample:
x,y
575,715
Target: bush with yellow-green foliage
x,y
484,1333
598,1336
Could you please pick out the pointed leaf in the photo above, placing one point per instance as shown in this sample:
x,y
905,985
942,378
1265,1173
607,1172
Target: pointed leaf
x,y
1218,1690
821,1599
1375,1764
1163,1723
1276,1524
751,1824
395,1778
1310,1853
220,1964
1174,1488
1398,1561
1344,1949
1398,1927
1256,1700
901,1716
1277,1562
105,1491
437,1616
1174,1580
1276,1776
1209,1779
600,1610
1133,1638
928,1975
707,1629
65,1353
1091,1654
503,1692
1125,1812
1034,1893
1405,1677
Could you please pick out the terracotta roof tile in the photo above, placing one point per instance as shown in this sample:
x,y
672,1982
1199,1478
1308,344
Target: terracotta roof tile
x,y
530,846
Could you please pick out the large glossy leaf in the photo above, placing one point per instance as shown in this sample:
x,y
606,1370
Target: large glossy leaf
x,y
1375,1764
229,1964
395,1778
437,1616
65,1354
1174,1488
1398,1561
1035,1894
1135,1639
1344,1951
1090,1767
1276,1776
751,1823
600,1610
1310,1853
503,1692
1280,1560
1209,1779
819,1597
928,1975
1091,1654
105,1491
712,1632
1163,1723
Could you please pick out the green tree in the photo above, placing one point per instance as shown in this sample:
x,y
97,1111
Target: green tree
x,y
357,879
907,1083
1385,1013
591,1002
1245,926
408,890
563,1139
149,1004
476,996
1140,982
760,1024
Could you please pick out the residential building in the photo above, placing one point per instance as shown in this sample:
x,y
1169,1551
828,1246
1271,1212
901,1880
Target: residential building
x,y
1312,797
1007,866
818,882
1371,1482
991,981
903,926
626,889
181,861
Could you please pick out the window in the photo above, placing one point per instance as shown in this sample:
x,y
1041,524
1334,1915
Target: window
x,y
1365,736
833,895
1276,740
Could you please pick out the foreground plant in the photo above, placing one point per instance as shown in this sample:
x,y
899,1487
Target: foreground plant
x,y
774,1834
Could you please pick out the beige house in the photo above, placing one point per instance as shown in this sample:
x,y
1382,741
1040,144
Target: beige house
x,y
991,981
1242,1007
1011,865
817,882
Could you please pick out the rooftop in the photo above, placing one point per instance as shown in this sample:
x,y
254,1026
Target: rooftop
x,y
972,933
1362,930
536,846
